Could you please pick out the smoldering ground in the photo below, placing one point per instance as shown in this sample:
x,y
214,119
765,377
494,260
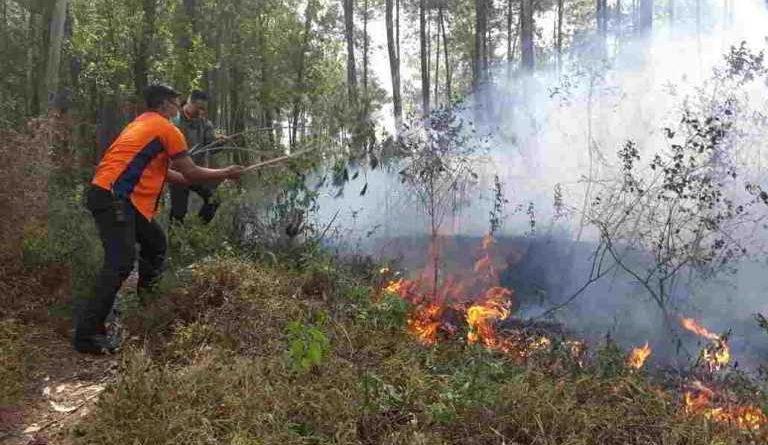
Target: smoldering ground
x,y
551,137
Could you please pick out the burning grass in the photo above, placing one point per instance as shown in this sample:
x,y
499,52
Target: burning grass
x,y
228,374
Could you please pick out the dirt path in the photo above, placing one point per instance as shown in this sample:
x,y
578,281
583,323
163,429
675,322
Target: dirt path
x,y
62,387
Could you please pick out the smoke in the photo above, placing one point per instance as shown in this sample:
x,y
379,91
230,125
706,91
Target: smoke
x,y
553,130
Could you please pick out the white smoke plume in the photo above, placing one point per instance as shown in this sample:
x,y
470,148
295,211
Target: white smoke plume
x,y
539,131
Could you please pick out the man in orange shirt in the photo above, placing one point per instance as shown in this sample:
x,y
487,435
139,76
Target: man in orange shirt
x,y
123,198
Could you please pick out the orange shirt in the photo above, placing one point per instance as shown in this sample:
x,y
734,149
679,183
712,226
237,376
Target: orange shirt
x,y
136,164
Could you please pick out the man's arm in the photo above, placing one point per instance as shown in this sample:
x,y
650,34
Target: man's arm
x,y
193,173
177,178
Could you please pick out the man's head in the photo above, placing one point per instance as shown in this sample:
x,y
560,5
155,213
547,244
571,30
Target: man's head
x,y
197,104
162,99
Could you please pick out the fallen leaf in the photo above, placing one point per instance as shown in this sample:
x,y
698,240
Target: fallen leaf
x,y
62,408
32,429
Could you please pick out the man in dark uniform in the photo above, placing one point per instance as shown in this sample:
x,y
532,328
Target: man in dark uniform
x,y
198,131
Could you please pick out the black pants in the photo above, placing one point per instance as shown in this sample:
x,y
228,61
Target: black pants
x,y
119,237
180,202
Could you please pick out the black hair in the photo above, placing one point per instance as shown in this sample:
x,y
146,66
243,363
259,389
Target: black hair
x,y
155,95
198,95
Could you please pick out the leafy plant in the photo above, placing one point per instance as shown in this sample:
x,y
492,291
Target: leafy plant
x,y
307,346
441,155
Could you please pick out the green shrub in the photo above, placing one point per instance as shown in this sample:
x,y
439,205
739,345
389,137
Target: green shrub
x,y
307,346
68,238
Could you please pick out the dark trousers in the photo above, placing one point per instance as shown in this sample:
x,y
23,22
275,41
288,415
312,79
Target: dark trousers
x,y
180,202
119,236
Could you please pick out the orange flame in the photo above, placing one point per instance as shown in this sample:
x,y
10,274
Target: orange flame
x,y
395,286
748,417
716,355
424,323
638,356
693,326
482,317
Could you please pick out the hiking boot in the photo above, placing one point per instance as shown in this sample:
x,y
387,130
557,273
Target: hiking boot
x,y
96,344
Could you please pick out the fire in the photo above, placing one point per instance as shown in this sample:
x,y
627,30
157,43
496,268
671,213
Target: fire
x,y
693,326
482,317
748,417
638,356
424,323
395,286
478,301
716,355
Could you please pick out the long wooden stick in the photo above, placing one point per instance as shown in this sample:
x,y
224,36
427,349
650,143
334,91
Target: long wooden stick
x,y
276,160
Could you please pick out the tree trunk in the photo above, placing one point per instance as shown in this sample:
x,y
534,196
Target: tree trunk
x,y
394,65
487,43
36,44
54,54
349,33
437,55
559,38
31,105
236,79
424,58
509,38
448,92
527,55
300,82
142,54
365,52
671,13
698,32
602,26
645,16
480,44
397,27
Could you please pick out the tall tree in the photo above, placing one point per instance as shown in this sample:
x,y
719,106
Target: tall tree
x,y
645,16
509,37
481,29
365,50
448,92
602,26
309,16
423,40
349,34
559,36
394,63
527,60
54,53
143,46
671,12
437,55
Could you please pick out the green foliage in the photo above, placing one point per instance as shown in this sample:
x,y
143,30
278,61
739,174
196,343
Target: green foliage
x,y
13,363
610,360
68,238
307,345
388,313
194,240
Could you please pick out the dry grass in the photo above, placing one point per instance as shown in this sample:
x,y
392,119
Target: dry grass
x,y
224,377
12,363
25,165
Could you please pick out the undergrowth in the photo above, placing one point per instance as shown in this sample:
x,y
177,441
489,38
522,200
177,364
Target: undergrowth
x,y
256,353
12,363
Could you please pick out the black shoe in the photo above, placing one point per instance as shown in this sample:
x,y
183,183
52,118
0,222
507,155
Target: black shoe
x,y
96,344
